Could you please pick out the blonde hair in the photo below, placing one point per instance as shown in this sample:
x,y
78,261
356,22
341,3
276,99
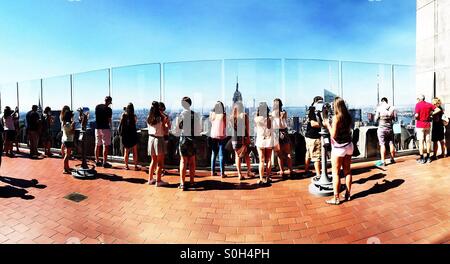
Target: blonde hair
x,y
436,101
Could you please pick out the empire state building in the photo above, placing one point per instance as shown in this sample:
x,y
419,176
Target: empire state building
x,y
237,97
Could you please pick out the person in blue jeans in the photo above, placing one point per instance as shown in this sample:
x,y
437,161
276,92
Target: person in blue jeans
x,y
218,135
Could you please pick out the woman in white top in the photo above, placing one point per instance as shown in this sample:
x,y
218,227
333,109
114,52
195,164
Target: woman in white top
x,y
156,123
264,141
218,135
68,129
10,130
282,142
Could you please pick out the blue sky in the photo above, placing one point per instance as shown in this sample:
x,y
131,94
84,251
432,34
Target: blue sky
x,y
52,37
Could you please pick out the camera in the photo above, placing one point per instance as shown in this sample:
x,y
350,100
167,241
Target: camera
x,y
323,112
83,116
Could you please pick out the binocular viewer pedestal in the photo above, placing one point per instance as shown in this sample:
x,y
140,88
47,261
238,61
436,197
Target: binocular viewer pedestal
x,y
322,185
84,170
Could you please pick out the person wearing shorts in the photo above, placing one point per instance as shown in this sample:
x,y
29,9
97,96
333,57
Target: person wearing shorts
x,y
386,115
156,123
68,129
312,139
189,127
103,116
341,148
423,114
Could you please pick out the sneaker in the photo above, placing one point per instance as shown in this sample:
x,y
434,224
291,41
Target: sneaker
x,y
428,160
161,184
380,163
393,161
420,161
152,182
106,165
97,163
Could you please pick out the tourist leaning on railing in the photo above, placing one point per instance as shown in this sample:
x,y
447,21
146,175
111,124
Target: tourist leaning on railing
x,y
282,141
129,136
264,142
156,123
341,148
218,137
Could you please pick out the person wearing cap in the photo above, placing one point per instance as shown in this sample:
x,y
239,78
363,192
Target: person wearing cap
x,y
312,139
103,117
423,114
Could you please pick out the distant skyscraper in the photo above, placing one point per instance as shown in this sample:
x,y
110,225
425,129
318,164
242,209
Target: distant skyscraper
x,y
39,107
237,97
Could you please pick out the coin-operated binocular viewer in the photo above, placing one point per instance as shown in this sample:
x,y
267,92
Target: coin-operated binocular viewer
x,y
84,170
322,185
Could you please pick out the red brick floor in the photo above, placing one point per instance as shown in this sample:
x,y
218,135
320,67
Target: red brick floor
x,y
406,203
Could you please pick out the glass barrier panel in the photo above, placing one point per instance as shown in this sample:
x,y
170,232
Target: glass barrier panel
x,y
253,82
140,85
363,86
29,95
56,94
8,96
199,80
89,90
404,102
304,80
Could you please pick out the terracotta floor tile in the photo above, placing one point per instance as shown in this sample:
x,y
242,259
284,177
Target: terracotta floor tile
x,y
406,206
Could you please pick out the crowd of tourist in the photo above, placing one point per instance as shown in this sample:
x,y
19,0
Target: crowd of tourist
x,y
271,137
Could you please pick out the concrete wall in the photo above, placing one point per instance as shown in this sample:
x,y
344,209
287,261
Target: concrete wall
x,y
433,49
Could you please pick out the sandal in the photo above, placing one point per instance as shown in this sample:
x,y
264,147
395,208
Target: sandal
x,y
334,201
250,174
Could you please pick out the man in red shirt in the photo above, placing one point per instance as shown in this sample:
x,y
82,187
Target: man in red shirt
x,y
424,111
